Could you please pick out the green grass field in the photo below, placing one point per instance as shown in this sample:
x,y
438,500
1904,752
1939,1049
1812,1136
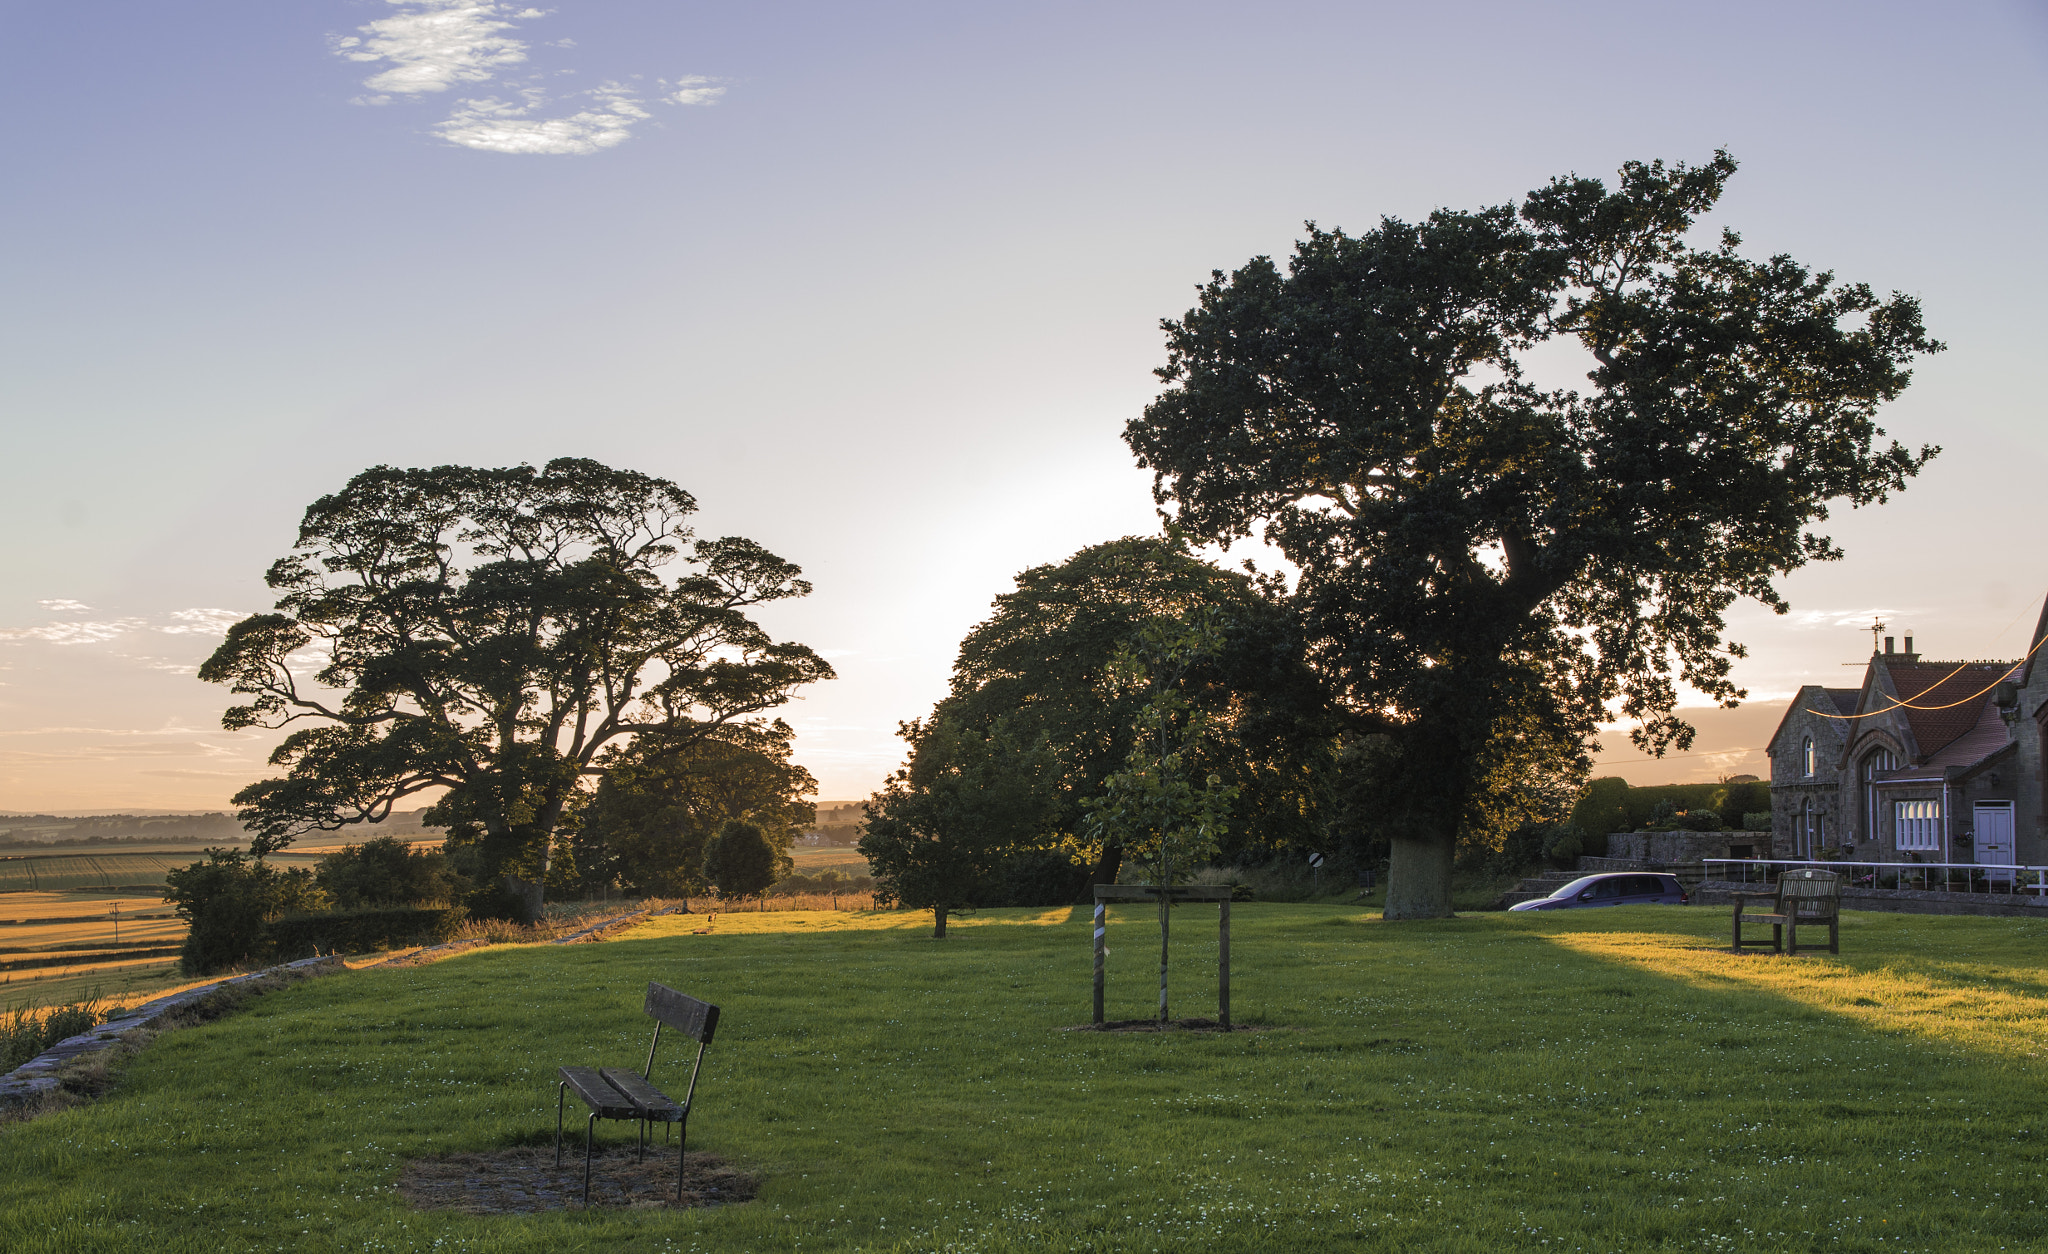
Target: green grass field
x,y
1596,1080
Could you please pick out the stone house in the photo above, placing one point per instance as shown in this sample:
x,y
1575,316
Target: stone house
x,y
1806,753
1924,762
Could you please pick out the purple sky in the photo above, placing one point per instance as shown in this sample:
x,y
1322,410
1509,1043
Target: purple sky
x,y
880,284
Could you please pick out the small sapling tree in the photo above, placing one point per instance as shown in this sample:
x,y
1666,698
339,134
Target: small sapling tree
x,y
1162,808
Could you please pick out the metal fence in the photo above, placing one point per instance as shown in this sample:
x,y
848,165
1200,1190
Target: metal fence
x,y
1953,877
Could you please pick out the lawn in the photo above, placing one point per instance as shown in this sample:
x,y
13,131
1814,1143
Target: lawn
x,y
1557,1081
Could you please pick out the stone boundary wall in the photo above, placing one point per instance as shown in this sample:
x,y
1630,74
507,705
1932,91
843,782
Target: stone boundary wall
x,y
38,1075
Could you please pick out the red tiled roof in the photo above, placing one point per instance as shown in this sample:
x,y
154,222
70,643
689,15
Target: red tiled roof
x,y
1962,688
1980,742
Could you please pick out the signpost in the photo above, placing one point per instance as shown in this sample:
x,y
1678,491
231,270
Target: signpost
x,y
1315,867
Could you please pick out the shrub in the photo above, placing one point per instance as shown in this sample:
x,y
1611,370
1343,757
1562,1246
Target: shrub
x,y
739,861
1756,821
227,899
1564,845
358,931
389,872
1700,821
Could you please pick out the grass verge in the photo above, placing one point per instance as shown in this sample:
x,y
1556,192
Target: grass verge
x,y
1581,1080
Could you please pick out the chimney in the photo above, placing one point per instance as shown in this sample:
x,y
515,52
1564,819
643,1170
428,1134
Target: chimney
x,y
1910,655
1888,642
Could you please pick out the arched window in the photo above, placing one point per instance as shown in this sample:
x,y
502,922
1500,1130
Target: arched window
x,y
1873,762
1806,758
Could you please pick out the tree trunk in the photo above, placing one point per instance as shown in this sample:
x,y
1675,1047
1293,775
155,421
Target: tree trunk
x,y
1419,879
939,932
1165,920
1107,866
529,894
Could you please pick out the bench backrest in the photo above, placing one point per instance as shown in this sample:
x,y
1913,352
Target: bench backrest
x,y
695,1019
1809,887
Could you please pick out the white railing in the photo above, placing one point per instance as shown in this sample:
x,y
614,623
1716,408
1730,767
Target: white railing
x,y
1954,877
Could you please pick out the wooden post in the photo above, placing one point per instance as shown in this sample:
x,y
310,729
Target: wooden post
x,y
1223,965
1101,932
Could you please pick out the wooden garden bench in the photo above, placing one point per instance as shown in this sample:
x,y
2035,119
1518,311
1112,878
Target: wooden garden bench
x,y
619,1093
1805,896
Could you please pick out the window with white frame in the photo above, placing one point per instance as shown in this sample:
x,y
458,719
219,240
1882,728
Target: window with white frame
x,y
1917,824
1806,758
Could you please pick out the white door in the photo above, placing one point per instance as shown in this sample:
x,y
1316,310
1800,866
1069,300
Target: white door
x,y
1994,838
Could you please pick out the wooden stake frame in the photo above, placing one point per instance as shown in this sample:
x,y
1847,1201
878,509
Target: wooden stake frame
x,y
1218,893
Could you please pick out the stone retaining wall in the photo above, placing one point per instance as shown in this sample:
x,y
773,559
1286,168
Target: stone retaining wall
x,y
38,1075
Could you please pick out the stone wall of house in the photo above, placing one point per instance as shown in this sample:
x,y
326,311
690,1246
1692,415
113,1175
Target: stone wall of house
x,y
1792,788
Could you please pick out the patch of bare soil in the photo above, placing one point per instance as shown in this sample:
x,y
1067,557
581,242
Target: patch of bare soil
x,y
523,1180
1171,1025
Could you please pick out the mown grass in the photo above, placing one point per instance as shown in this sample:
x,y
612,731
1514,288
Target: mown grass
x,y
1587,1080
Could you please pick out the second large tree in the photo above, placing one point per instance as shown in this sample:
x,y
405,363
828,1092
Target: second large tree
x,y
1481,558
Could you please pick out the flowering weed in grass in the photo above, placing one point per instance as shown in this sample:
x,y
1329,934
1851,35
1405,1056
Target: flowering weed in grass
x,y
1589,1080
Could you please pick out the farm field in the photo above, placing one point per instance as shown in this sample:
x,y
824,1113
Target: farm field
x,y
1595,1080
77,925
841,858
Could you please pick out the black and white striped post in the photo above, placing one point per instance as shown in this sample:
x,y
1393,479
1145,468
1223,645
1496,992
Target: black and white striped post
x,y
1101,933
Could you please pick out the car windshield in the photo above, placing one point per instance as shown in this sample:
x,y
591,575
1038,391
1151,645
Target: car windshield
x,y
1576,887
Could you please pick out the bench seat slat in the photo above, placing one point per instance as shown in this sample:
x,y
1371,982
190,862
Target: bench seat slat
x,y
648,1102
598,1093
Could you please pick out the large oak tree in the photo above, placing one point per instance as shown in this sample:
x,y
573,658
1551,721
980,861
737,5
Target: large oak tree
x,y
1478,557
493,635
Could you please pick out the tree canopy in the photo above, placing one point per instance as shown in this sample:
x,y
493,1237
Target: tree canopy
x,y
494,635
1483,563
646,827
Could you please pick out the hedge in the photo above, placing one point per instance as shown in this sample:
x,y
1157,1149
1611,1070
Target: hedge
x,y
357,931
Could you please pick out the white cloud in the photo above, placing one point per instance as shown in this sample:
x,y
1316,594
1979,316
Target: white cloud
x,y
1843,618
694,89
206,622
433,45
77,633
430,46
194,622
63,606
494,125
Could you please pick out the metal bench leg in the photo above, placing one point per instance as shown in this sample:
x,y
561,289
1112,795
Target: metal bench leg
x,y
561,1092
682,1140
589,1132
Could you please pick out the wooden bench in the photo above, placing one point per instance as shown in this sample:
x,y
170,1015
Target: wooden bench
x,y
1805,895
618,1093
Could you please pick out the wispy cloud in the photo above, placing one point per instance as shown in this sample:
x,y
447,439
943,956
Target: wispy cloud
x,y
63,606
495,125
432,46
77,632
1810,619
693,89
193,622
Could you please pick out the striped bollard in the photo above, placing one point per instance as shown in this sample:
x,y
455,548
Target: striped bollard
x,y
1101,932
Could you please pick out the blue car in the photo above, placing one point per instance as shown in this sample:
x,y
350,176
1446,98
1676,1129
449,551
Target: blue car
x,y
1623,888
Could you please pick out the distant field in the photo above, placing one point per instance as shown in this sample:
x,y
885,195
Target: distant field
x,y
39,926
56,872
840,858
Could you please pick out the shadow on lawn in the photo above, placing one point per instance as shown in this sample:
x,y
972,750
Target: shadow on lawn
x,y
1886,988
524,1180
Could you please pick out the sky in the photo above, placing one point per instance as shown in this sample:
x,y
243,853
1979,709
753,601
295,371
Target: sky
x,y
880,284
